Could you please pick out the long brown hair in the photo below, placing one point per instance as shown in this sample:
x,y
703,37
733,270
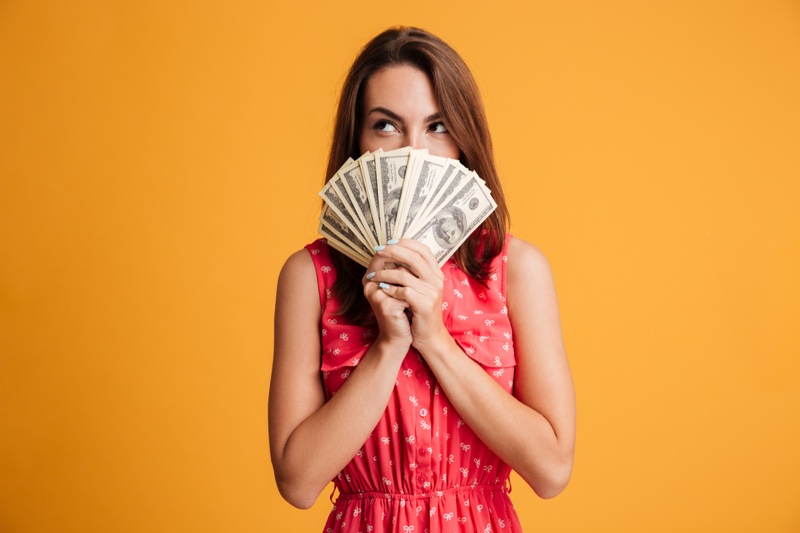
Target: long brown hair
x,y
462,109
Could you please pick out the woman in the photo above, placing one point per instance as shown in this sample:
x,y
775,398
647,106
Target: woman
x,y
417,389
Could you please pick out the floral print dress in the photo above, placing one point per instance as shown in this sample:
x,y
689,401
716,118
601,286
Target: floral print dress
x,y
423,470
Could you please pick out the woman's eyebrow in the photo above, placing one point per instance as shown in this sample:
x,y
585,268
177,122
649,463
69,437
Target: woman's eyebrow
x,y
391,114
394,116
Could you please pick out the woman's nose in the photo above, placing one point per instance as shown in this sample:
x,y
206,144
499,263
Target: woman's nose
x,y
416,140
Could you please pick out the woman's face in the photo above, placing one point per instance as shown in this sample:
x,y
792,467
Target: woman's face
x,y
400,110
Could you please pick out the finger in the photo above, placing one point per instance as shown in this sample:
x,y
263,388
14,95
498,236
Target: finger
x,y
423,250
410,296
383,303
378,291
392,291
397,277
377,263
381,265
411,258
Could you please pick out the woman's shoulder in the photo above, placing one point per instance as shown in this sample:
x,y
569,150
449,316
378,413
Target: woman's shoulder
x,y
308,256
305,262
311,266
525,260
298,268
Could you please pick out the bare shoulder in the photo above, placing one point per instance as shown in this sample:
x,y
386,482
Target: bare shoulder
x,y
530,288
526,262
298,274
298,291
299,264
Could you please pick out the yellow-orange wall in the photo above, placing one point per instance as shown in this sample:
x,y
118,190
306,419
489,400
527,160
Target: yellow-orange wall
x,y
160,159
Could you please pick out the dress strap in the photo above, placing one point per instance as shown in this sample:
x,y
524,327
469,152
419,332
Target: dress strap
x,y
323,267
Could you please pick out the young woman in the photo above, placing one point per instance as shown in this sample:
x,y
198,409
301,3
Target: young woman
x,y
417,389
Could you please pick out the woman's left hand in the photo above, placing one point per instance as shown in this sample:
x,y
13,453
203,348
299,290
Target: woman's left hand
x,y
418,280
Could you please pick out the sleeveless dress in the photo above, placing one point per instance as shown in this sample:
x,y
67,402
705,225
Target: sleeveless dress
x,y
422,469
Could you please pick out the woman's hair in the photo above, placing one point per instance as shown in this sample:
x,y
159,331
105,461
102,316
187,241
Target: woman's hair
x,y
462,110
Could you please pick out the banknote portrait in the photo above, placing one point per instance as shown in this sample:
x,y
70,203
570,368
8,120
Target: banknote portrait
x,y
449,226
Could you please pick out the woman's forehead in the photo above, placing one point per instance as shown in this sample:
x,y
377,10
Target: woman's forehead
x,y
402,89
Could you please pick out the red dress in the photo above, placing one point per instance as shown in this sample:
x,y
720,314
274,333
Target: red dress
x,y
423,470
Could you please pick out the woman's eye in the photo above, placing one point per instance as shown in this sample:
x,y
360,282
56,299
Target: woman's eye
x,y
437,127
384,125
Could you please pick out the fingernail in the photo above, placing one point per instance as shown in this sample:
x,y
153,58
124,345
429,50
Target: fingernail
x,y
384,286
392,241
378,248
371,275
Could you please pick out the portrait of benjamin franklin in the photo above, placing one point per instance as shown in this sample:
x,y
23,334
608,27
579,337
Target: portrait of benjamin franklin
x,y
448,227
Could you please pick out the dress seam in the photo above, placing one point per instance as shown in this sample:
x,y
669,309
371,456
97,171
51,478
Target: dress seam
x,y
423,495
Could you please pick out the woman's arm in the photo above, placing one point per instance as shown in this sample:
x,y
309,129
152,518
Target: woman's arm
x,y
311,440
533,432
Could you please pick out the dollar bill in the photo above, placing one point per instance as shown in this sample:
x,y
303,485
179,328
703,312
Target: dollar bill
x,y
370,175
402,193
352,181
419,184
456,219
338,205
453,177
391,168
336,244
333,227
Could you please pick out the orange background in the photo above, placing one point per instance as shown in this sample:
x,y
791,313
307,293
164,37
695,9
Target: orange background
x,y
160,160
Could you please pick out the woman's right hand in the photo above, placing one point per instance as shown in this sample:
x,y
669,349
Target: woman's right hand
x,y
394,325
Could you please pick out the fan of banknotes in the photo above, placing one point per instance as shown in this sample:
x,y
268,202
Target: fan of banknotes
x,y
402,193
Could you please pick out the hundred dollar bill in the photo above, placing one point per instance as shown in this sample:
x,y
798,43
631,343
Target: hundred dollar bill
x,y
416,189
338,205
453,177
354,187
391,168
352,210
337,245
334,229
456,219
370,174
402,193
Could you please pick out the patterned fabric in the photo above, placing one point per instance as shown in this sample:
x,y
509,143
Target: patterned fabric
x,y
423,470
